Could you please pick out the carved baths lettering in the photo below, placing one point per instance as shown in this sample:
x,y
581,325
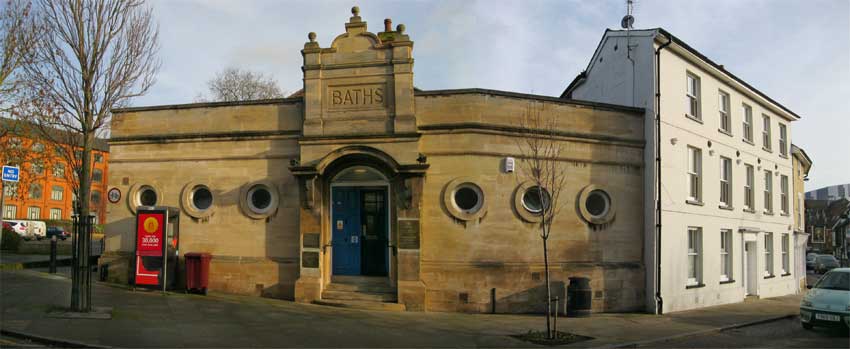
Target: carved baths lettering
x,y
359,96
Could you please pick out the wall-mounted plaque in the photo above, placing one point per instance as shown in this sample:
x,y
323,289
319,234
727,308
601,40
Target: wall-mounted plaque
x,y
408,234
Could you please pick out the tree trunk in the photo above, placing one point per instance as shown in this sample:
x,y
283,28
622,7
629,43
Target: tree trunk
x,y
80,291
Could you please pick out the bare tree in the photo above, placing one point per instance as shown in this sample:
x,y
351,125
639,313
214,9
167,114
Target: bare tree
x,y
234,84
96,55
543,169
18,34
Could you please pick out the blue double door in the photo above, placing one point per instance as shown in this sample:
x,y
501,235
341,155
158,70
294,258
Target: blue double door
x,y
360,232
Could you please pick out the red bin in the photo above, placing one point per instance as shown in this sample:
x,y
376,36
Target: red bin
x,y
197,271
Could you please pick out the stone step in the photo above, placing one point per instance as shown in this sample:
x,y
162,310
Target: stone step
x,y
359,296
360,280
364,305
368,288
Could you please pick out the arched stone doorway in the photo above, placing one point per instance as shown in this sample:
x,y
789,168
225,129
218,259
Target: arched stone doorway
x,y
360,222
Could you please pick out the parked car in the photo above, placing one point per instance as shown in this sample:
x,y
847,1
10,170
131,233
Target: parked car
x,y
810,261
60,233
828,301
825,263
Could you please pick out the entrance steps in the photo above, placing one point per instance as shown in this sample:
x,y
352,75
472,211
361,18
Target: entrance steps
x,y
361,292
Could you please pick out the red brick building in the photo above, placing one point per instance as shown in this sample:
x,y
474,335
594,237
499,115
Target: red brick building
x,y
46,190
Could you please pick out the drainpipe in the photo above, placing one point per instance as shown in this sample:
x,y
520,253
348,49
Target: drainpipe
x,y
659,302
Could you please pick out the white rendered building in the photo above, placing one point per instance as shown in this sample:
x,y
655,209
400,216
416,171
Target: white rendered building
x,y
725,175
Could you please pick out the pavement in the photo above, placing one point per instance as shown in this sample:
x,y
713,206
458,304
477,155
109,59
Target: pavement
x,y
154,319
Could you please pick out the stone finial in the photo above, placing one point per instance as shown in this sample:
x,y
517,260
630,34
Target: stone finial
x,y
400,28
355,11
312,36
388,25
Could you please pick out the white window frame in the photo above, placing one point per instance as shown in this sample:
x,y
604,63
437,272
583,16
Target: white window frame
x,y
765,133
783,140
748,122
692,96
768,254
56,213
725,182
749,188
10,211
694,174
34,212
785,260
768,191
37,167
783,194
694,254
57,195
726,260
725,118
59,170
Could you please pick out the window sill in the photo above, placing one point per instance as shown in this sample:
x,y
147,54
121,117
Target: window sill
x,y
785,214
748,141
724,207
749,210
694,118
784,156
700,285
785,274
767,149
725,132
769,277
727,282
769,213
694,202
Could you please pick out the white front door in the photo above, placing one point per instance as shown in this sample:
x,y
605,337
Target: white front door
x,y
750,268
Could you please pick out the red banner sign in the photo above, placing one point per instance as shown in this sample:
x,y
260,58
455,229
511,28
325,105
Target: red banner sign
x,y
149,234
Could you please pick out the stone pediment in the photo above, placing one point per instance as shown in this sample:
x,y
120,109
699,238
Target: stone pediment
x,y
355,42
361,84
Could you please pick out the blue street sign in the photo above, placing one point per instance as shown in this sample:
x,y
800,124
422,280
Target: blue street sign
x,y
11,173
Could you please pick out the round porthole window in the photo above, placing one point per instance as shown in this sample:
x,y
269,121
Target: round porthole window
x,y
147,196
142,195
535,199
598,203
464,199
467,197
201,197
595,205
259,200
197,200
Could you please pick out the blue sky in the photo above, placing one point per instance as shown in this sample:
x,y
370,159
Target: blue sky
x,y
797,52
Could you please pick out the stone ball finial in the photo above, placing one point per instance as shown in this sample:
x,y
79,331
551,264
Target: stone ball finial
x,y
400,28
312,36
355,11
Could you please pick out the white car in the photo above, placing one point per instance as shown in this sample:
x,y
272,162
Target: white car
x,y
828,301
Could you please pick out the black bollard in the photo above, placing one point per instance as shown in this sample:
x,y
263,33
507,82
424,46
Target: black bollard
x,y
53,254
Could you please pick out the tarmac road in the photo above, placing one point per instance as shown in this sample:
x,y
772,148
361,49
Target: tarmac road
x,y
786,333
776,334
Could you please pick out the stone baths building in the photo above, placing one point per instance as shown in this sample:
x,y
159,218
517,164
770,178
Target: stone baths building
x,y
364,189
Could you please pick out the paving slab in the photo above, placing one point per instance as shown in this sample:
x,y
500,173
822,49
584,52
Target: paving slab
x,y
154,319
